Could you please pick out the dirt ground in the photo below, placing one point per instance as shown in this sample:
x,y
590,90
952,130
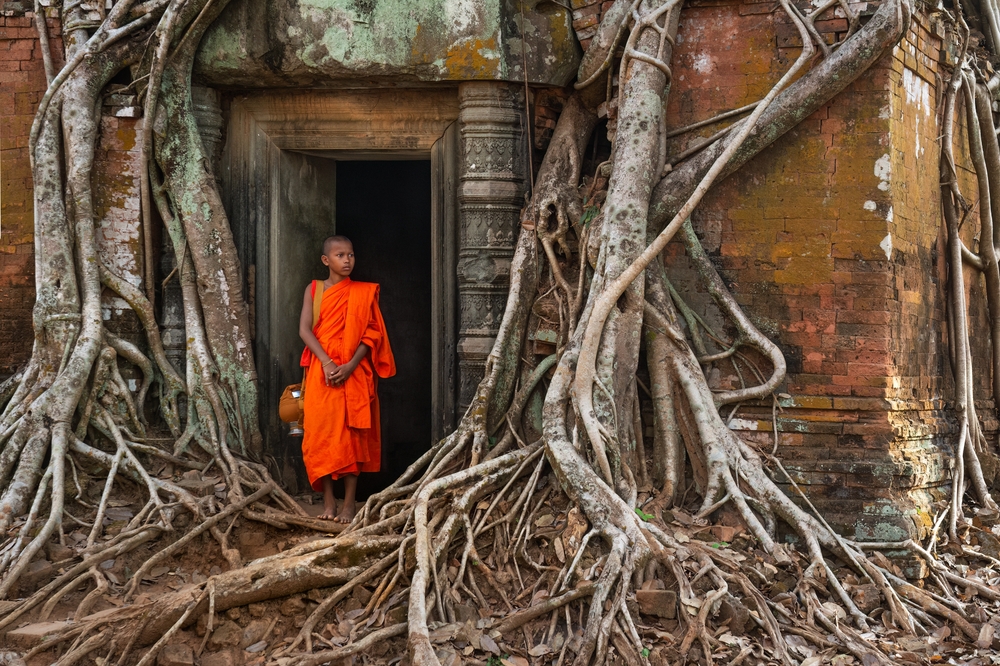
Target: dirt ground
x,y
255,634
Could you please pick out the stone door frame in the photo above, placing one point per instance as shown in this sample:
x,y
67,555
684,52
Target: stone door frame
x,y
352,124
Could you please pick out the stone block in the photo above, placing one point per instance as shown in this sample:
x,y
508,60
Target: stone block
x,y
228,657
254,632
732,610
33,634
658,603
175,654
293,606
228,634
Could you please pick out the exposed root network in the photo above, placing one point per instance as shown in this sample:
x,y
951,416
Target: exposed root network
x,y
564,541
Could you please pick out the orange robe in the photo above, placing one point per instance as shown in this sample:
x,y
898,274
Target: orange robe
x,y
342,433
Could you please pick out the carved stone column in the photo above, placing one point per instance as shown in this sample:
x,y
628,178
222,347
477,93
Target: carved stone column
x,y
207,104
172,324
490,197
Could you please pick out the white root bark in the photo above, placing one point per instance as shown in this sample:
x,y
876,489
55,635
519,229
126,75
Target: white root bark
x,y
463,501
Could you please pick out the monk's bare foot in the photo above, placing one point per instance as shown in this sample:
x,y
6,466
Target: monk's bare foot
x,y
346,515
329,512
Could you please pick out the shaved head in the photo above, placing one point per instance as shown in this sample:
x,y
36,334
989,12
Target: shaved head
x,y
330,240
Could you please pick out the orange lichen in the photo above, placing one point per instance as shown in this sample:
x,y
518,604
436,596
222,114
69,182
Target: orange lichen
x,y
126,138
473,59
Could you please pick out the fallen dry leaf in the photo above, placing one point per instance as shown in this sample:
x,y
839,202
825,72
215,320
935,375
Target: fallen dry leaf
x,y
941,633
514,661
985,639
835,610
539,650
489,644
576,528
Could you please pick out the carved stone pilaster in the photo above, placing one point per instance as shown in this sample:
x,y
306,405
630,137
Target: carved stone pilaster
x,y
207,105
172,325
491,194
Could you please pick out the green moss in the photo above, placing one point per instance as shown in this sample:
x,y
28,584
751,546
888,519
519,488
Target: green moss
x,y
254,43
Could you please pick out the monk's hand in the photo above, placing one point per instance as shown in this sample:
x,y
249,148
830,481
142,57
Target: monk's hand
x,y
341,373
328,371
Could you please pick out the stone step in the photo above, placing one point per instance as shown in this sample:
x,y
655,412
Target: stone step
x,y
29,636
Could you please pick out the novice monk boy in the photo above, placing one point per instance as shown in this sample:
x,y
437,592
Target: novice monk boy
x,y
345,354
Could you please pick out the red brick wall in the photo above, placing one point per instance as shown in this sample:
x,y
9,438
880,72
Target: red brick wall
x,y
793,232
830,239
116,204
801,236
22,83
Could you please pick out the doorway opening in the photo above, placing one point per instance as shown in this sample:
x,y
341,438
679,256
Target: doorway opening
x,y
385,208
391,160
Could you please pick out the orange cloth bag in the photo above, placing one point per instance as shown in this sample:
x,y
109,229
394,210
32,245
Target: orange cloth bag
x,y
291,405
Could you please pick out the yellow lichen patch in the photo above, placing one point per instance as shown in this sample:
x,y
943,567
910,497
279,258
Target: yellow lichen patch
x,y
473,59
126,138
559,32
804,270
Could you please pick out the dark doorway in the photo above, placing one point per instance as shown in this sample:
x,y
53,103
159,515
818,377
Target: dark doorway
x,y
384,207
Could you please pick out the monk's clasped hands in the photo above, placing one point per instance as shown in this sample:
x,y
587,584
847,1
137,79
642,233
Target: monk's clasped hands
x,y
340,373
329,375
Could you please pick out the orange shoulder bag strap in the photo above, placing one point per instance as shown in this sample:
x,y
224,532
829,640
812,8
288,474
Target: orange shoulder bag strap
x,y
318,289
317,293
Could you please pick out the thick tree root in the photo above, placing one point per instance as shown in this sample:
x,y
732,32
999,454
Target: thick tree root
x,y
548,538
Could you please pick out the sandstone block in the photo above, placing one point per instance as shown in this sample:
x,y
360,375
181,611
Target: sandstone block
x,y
228,634
177,654
293,606
33,634
658,603
229,657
